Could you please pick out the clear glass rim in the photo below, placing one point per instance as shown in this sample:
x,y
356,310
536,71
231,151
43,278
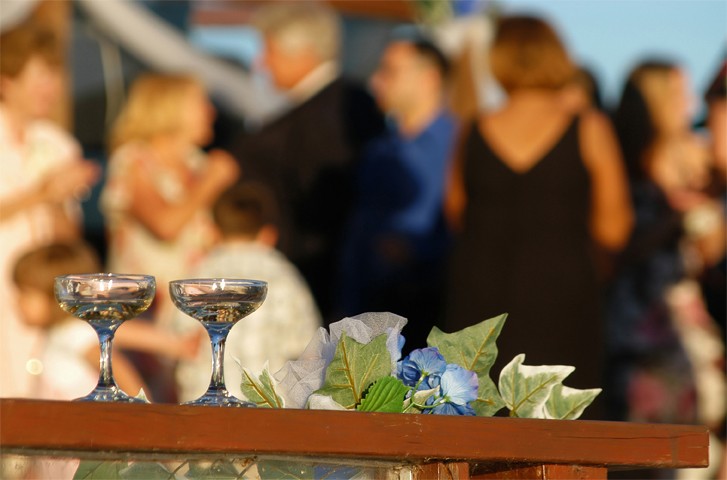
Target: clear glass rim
x,y
102,276
210,281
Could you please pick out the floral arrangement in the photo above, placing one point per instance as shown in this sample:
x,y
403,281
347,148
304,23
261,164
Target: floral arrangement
x,y
357,365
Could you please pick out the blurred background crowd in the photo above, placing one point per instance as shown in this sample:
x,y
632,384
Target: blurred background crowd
x,y
446,161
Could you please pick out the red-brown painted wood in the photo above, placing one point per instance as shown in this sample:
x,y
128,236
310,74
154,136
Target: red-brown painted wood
x,y
114,427
442,471
544,472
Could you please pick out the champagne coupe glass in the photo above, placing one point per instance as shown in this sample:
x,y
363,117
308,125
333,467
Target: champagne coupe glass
x,y
105,301
218,303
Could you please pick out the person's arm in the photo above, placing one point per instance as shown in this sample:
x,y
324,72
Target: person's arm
x,y
145,337
165,220
455,196
611,213
126,376
302,316
54,189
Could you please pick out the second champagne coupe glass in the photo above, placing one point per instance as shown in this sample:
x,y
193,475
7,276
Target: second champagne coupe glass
x,y
105,301
218,303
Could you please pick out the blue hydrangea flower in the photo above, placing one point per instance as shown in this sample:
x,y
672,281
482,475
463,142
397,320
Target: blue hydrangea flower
x,y
400,341
420,364
447,408
458,388
431,381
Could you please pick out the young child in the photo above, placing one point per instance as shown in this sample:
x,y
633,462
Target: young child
x,y
161,185
66,360
282,327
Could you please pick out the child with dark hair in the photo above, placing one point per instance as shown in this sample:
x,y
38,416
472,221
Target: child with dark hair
x,y
245,216
66,359
66,364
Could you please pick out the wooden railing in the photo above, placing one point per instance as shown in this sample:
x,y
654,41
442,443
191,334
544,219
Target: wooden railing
x,y
437,446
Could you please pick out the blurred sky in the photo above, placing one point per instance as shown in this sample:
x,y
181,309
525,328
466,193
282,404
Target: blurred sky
x,y
611,36
607,36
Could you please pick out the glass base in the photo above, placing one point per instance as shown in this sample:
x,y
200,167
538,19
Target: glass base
x,y
219,398
109,394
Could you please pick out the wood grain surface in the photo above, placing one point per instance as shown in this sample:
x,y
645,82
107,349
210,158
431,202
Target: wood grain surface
x,y
114,427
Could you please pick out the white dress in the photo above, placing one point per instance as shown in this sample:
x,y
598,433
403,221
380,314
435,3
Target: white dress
x,y
278,331
63,374
47,148
66,373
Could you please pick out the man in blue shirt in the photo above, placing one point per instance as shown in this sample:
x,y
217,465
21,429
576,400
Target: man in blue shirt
x,y
397,239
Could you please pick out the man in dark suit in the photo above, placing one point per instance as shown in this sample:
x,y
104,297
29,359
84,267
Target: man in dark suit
x,y
308,155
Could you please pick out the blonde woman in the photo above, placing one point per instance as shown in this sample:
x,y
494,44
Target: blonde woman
x,y
161,185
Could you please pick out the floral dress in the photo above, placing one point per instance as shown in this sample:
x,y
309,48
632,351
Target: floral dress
x,y
135,249
649,375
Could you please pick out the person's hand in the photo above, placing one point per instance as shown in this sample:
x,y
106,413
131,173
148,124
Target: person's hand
x,y
69,181
684,200
186,346
222,169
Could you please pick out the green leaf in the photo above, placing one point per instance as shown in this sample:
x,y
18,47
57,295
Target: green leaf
x,y
354,368
284,470
488,401
567,403
217,470
474,348
323,402
93,470
385,395
142,395
525,388
261,391
145,471
198,469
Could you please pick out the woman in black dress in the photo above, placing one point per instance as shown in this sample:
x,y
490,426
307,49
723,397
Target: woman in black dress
x,y
535,187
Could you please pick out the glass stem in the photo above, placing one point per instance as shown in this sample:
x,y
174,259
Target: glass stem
x,y
218,360
105,338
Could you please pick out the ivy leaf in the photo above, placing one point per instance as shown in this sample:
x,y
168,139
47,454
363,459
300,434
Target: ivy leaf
x,y
145,471
142,396
525,388
385,395
474,348
488,401
323,402
283,469
261,391
355,366
93,470
565,403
